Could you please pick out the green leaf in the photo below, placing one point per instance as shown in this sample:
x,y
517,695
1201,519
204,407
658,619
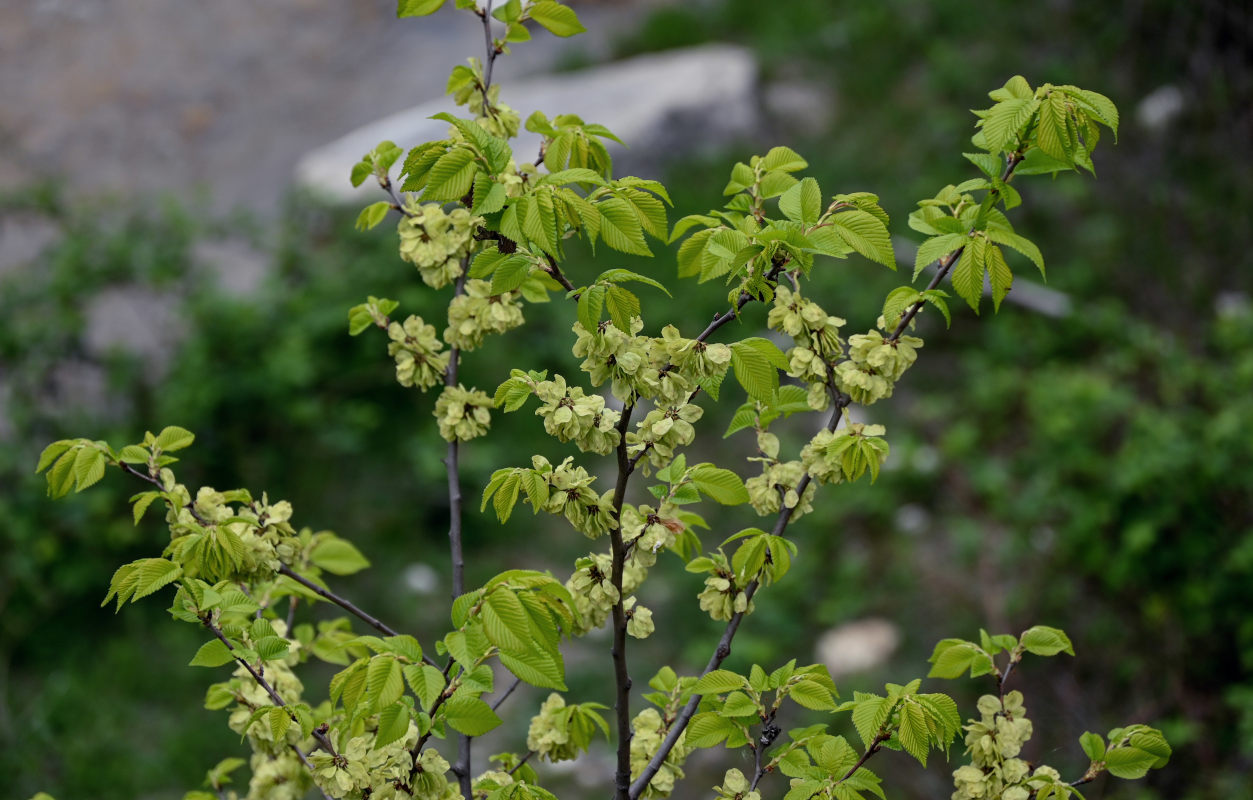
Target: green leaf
x,y
280,721
451,177
870,712
719,681
557,19
812,695
935,248
52,452
372,215
1042,640
619,275
384,682
142,501
393,724
211,654
866,234
987,163
505,621
506,497
1019,243
1005,122
998,272
967,276
536,668
152,574
510,273
174,438
426,681
755,372
591,304
417,8
623,305
270,648
1093,746
952,657
470,715
88,467
1129,763
338,556
721,485
784,158
1051,134
914,734
803,202
708,730
620,226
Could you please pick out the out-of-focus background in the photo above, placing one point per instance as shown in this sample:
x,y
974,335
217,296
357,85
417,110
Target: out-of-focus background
x,y
1084,459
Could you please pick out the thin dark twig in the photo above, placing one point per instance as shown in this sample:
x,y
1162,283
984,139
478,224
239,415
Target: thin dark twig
x,y
143,476
946,263
492,52
556,273
525,759
622,679
500,700
321,738
758,770
346,604
397,202
452,466
723,648
744,299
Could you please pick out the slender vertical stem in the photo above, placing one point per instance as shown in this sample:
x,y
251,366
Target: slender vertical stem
x,y
452,467
622,679
462,767
491,49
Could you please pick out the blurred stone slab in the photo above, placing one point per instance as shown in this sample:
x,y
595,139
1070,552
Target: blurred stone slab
x,y
135,320
858,646
23,237
658,104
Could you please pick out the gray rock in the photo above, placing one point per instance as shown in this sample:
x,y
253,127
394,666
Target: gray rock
x,y
135,320
23,237
656,103
236,266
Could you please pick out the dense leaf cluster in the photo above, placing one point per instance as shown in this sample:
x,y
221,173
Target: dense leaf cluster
x,y
476,220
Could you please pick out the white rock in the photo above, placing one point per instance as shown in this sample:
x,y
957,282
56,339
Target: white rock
x,y
1159,107
654,103
858,646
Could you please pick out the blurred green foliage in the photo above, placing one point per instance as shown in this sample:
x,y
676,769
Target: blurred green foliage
x,y
1089,472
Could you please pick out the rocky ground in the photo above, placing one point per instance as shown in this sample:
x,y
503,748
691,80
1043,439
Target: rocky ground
x,y
218,100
